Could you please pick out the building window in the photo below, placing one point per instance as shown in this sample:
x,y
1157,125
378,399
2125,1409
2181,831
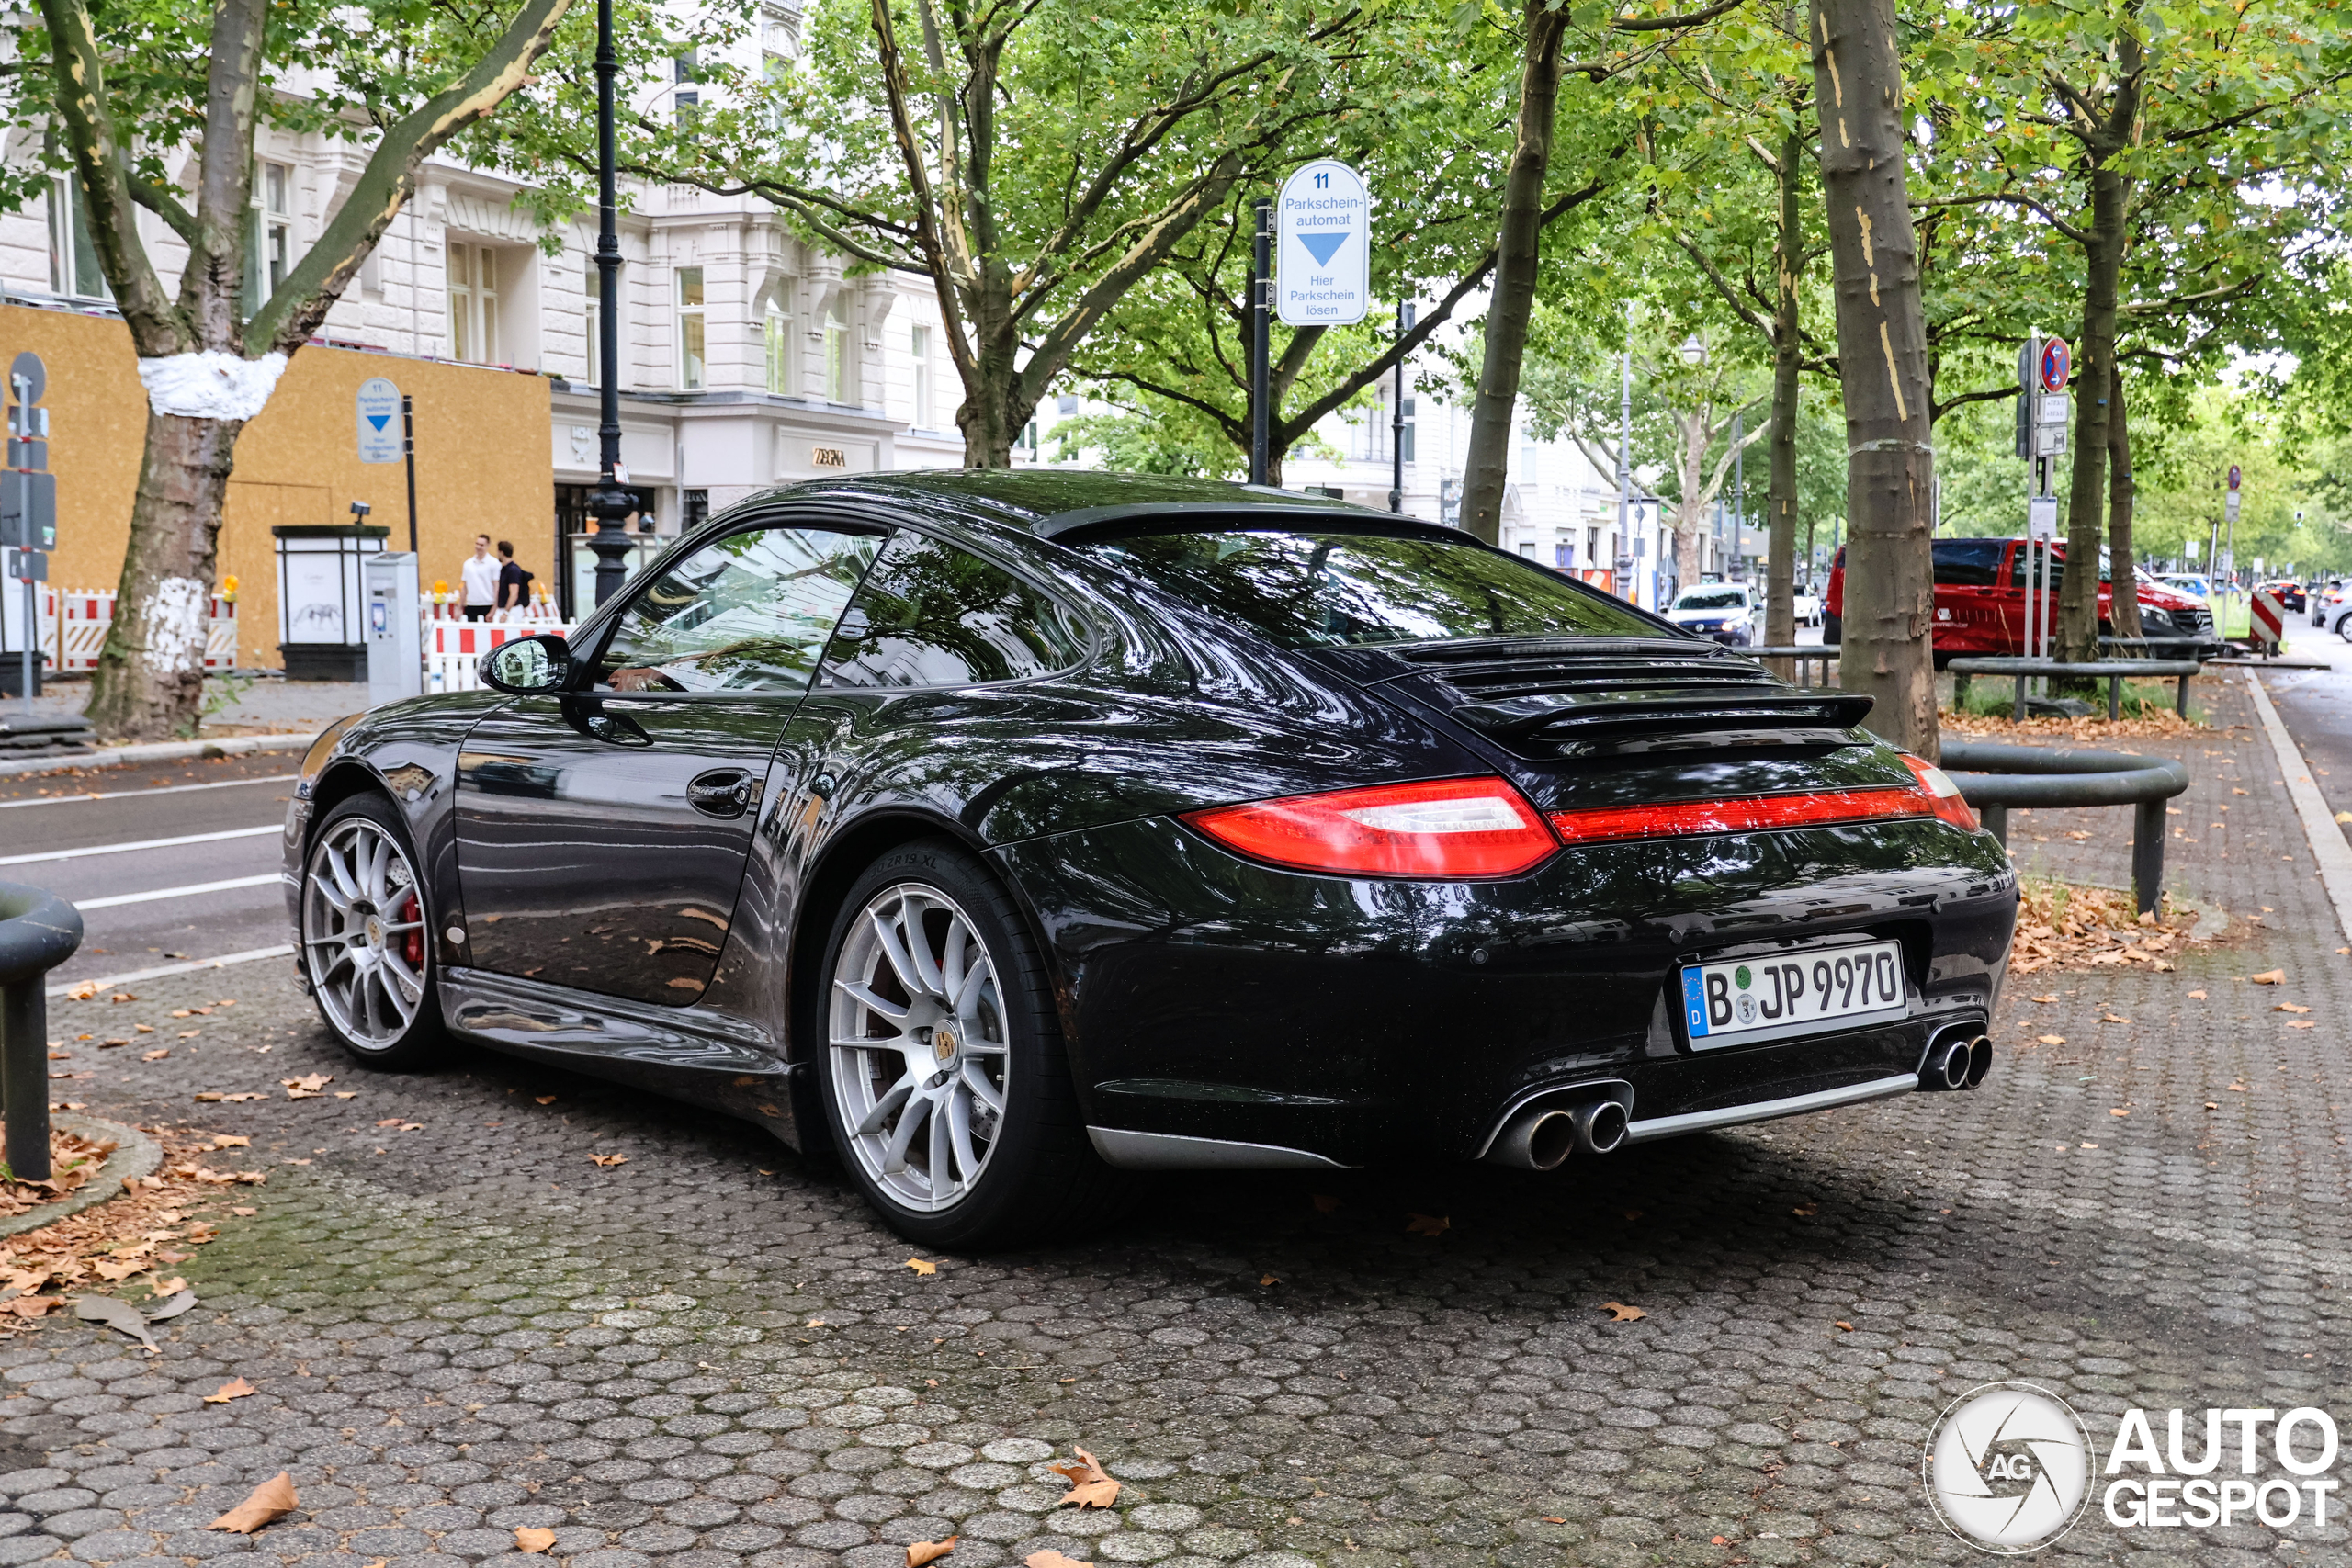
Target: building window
x,y
776,331
74,269
269,247
694,509
779,47
1405,437
473,303
592,354
918,345
690,328
836,354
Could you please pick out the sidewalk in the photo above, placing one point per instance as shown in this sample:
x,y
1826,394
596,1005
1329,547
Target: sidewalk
x,y
708,1355
239,704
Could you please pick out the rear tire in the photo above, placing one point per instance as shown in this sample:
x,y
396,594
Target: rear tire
x,y
958,1122
365,933
1832,630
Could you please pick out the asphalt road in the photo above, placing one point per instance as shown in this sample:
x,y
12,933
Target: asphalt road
x,y
104,835
2317,707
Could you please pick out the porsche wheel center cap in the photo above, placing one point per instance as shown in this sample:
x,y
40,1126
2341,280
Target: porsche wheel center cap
x,y
943,1045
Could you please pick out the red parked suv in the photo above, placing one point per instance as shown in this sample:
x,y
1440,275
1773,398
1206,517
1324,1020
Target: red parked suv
x,y
1981,599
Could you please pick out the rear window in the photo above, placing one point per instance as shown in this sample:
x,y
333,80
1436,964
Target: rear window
x,y
1714,598
1303,589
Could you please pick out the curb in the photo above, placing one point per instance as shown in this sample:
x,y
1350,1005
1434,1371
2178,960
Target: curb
x,y
158,752
135,1154
2328,845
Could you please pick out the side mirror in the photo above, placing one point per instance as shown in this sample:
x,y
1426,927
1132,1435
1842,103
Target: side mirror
x,y
528,667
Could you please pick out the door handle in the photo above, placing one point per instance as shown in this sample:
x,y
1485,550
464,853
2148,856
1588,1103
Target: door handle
x,y
723,791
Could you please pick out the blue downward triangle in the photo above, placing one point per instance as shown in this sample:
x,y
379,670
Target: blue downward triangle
x,y
1323,245
380,420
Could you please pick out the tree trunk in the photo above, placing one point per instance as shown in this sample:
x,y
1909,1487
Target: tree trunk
x,y
1512,305
2094,355
2124,602
1690,512
1881,355
1780,506
148,684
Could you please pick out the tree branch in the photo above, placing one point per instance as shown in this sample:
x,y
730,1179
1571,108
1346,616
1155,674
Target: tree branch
x,y
301,302
2014,199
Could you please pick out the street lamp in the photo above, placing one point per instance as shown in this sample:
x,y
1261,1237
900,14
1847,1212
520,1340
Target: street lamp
x,y
609,503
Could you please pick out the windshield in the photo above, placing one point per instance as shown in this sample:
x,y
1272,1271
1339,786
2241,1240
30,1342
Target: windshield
x,y
1714,598
1336,590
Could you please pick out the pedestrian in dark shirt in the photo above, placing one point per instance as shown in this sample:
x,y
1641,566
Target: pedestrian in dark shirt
x,y
514,584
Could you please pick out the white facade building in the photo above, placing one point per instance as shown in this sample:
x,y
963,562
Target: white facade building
x,y
747,358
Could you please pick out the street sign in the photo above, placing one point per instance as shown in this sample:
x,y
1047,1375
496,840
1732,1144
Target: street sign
x,y
2230,507
377,408
1323,247
2041,517
2234,476
2057,362
2049,440
2055,408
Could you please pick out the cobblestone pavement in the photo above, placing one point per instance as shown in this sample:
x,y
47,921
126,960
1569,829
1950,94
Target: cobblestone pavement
x,y
711,1356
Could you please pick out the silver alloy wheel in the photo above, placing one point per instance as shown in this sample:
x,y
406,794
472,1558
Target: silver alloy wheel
x,y
919,1054
363,932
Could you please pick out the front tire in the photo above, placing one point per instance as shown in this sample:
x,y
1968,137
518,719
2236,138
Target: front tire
x,y
367,937
941,1069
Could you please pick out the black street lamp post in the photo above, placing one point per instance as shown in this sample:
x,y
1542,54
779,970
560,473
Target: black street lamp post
x,y
609,503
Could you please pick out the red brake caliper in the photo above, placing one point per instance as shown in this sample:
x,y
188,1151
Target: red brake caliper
x,y
413,949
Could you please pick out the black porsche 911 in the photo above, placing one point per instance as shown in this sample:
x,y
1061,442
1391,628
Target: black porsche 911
x,y
999,831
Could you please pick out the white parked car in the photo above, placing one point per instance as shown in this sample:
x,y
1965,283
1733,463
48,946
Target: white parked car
x,y
1808,607
1727,611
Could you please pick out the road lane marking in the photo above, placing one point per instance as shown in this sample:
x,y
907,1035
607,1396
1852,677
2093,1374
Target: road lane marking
x,y
2327,841
146,793
146,844
192,889
283,949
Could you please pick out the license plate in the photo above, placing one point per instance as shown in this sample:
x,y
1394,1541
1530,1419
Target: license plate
x,y
1742,999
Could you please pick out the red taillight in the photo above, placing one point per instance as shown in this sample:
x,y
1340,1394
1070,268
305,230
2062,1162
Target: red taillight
x,y
1949,805
1440,827
1742,814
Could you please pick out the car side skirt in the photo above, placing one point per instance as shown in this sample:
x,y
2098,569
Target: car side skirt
x,y
1169,1151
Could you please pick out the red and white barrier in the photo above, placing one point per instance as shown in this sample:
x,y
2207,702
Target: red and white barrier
x,y
2269,618
74,622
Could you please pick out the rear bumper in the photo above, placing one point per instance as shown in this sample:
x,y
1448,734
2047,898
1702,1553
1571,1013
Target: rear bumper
x,y
1209,1003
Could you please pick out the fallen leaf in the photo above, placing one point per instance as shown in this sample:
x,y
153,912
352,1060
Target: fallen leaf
x,y
1553,1519
307,1087
1719,1540
123,997
1427,1225
546,1100
235,1388
2197,996
1844,1325
242,1210
1806,1211
1270,1278
2052,1039
531,1537
2301,1023
608,1159
919,1552
2289,1007
816,1322
1091,1486
119,1315
926,1270
2119,1110
272,1499
1324,1203
2048,999
156,1055
2241,1089
2212,1105
390,1121
346,1094
1620,1312
1052,1559
162,1288
117,1270
85,991
2270,977
2110,1018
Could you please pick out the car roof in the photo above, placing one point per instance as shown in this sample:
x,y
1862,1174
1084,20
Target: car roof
x,y
1056,503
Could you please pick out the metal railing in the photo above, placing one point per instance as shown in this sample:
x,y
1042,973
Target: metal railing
x,y
37,931
1799,654
1993,778
2114,672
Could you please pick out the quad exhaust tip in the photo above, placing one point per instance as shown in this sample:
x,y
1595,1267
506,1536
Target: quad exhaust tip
x,y
1542,1137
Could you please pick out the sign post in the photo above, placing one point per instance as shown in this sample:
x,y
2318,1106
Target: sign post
x,y
1261,287
2043,367
376,406
28,501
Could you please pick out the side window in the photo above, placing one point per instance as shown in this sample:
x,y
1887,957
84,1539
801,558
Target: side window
x,y
1968,563
931,614
2054,564
748,613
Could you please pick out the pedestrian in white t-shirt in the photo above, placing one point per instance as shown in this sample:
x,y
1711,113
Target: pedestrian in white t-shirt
x,y
480,572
